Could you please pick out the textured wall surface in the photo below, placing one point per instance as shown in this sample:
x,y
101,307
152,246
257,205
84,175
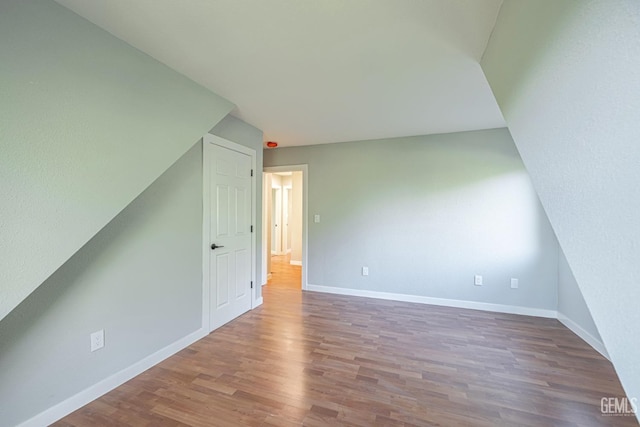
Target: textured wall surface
x,y
570,300
87,123
566,75
139,279
425,214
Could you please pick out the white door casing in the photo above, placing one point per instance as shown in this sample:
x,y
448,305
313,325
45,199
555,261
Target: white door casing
x,y
305,191
276,216
228,241
283,221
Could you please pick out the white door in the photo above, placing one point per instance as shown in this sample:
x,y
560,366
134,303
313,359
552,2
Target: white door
x,y
229,234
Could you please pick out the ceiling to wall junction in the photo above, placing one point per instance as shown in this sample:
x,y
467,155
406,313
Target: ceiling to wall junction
x,y
320,72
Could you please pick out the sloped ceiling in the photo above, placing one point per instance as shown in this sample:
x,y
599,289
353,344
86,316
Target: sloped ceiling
x,y
325,71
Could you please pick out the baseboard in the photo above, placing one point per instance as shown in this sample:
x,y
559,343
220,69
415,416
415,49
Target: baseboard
x,y
500,308
259,302
582,333
93,392
473,305
292,262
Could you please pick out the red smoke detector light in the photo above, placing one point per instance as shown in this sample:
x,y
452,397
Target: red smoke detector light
x,y
272,144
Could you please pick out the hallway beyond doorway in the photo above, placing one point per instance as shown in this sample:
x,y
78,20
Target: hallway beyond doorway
x,y
283,274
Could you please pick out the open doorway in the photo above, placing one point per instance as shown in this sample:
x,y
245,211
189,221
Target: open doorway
x,y
284,213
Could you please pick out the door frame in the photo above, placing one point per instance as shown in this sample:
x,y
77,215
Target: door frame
x,y
207,141
305,191
276,218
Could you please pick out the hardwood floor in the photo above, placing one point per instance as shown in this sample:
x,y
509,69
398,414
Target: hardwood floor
x,y
313,359
283,274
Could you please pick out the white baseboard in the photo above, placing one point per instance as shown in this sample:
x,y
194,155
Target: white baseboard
x,y
582,333
473,305
500,308
93,392
259,302
292,262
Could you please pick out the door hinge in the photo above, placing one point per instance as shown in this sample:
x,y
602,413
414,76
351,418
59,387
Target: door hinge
x,y
252,228
251,172
252,284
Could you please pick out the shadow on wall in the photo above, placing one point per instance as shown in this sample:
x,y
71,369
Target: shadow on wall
x,y
139,278
483,190
527,61
425,214
441,163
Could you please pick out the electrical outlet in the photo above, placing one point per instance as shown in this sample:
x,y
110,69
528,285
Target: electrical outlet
x,y
97,340
365,271
477,280
514,283
316,218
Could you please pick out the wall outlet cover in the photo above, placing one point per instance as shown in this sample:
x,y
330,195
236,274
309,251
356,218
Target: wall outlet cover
x,y
97,340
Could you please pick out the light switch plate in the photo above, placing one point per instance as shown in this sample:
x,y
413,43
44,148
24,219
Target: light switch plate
x,y
477,280
316,218
514,283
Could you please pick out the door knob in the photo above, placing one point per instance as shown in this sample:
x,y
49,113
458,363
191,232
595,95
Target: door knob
x,y
214,246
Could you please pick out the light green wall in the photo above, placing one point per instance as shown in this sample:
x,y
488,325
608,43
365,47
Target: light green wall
x,y
87,123
139,278
425,214
566,75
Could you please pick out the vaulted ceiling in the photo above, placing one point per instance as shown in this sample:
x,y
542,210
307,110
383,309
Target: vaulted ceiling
x,y
308,72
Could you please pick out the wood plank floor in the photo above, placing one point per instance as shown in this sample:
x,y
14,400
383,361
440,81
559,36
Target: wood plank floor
x,y
314,359
283,274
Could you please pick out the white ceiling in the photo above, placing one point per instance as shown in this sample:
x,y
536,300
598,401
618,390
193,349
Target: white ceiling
x,y
309,72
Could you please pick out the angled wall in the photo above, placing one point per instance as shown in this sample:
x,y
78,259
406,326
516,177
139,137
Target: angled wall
x,y
139,279
566,75
573,310
88,122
